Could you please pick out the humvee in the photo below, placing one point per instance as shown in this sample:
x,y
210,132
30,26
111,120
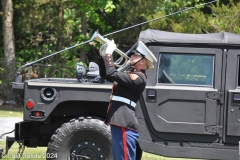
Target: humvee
x,y
190,107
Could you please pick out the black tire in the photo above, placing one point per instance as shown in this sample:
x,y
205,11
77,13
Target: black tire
x,y
84,137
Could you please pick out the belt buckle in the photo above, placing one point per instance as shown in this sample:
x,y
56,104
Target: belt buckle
x,y
111,97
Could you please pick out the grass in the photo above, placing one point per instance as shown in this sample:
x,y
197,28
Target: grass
x,y
39,152
11,111
29,153
8,113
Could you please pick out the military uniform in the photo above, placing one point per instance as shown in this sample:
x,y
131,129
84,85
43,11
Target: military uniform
x,y
126,91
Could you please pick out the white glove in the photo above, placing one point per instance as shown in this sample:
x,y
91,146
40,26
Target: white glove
x,y
111,46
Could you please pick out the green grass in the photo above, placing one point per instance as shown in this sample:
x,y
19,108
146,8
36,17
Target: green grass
x,y
28,154
39,152
9,113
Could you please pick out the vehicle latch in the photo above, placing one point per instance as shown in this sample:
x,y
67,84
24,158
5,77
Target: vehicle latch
x,y
215,95
213,129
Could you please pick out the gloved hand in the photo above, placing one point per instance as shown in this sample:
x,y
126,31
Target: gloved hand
x,y
111,46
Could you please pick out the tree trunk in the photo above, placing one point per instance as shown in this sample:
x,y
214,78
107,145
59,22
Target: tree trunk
x,y
59,29
84,31
9,46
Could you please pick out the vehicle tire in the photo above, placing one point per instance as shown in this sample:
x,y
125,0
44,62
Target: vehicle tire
x,y
82,138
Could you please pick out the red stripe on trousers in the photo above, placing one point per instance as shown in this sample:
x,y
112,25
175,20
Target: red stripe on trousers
x,y
125,150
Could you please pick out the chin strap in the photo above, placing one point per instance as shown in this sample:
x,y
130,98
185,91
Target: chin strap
x,y
132,66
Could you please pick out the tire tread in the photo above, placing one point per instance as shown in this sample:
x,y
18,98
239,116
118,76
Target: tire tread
x,y
77,124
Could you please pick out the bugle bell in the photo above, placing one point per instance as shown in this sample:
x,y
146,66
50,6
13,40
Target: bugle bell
x,y
96,36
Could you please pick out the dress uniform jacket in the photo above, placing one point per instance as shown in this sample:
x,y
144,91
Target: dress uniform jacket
x,y
128,85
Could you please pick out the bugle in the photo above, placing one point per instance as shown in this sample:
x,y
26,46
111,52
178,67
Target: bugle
x,y
96,36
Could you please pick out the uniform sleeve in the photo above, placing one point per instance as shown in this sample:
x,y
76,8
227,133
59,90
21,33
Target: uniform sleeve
x,y
129,80
102,69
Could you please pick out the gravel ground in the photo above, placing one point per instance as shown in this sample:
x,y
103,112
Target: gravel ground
x,y
7,125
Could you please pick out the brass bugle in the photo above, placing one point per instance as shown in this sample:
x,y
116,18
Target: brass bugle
x,y
96,36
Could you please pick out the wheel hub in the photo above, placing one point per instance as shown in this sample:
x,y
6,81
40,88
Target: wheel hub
x,y
85,150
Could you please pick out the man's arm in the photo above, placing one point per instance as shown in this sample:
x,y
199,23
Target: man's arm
x,y
102,68
129,80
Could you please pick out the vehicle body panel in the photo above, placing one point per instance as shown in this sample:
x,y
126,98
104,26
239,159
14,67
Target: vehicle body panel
x,y
190,107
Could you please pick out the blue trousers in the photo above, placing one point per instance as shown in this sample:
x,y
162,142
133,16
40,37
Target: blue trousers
x,y
123,143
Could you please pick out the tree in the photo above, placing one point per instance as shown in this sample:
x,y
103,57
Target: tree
x,y
9,45
226,17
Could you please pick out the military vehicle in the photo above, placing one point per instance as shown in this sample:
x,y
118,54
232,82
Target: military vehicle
x,y
190,107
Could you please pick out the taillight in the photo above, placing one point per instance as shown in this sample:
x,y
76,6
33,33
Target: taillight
x,y
30,104
37,114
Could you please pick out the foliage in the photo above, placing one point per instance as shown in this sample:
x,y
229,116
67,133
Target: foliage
x,y
131,13
43,27
1,73
190,21
226,17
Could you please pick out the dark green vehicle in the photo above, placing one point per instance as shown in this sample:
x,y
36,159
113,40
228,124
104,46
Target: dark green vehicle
x,y
190,107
